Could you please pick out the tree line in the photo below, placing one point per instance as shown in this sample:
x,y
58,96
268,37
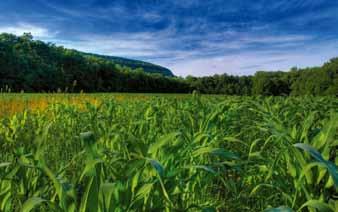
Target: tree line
x,y
34,66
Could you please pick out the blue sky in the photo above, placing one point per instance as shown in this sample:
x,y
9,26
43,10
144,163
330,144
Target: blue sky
x,y
191,37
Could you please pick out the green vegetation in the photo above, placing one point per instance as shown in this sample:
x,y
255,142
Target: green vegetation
x,y
34,66
135,64
167,153
318,81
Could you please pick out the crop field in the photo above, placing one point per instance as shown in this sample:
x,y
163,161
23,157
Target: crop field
x,y
143,152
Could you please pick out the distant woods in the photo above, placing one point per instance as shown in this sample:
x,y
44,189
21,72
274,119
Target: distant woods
x,y
34,66
317,81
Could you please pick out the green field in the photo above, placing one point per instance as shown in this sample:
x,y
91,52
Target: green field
x,y
135,152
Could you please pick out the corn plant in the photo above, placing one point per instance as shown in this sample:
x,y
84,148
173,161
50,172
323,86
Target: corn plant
x,y
124,152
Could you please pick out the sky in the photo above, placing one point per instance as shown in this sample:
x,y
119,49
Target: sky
x,y
190,37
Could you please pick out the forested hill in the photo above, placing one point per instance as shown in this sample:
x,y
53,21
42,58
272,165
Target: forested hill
x,y
35,66
136,64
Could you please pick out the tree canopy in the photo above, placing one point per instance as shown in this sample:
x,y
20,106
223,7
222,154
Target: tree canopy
x,y
35,66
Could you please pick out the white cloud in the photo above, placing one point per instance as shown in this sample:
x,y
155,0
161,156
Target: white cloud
x,y
247,63
126,45
21,28
275,39
243,61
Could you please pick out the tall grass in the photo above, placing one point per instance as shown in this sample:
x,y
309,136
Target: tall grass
x,y
161,153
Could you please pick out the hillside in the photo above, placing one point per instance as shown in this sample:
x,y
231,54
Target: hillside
x,y
124,62
36,66
135,64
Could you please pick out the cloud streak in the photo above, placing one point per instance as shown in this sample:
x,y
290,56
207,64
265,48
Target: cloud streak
x,y
21,28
